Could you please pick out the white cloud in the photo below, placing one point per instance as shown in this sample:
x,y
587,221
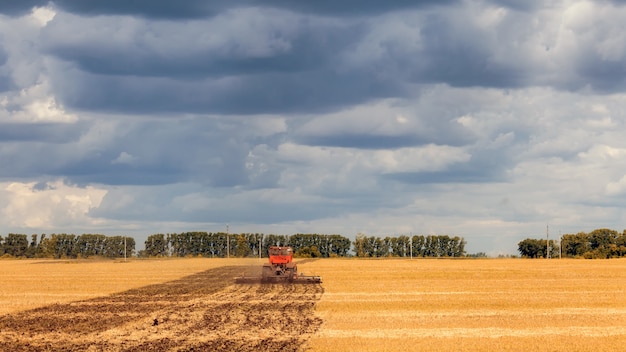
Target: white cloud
x,y
599,154
43,110
57,207
43,15
123,158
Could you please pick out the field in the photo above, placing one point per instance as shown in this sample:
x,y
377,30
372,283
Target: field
x,y
362,305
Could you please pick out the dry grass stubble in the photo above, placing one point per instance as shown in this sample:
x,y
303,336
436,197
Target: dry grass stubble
x,y
485,305
200,312
363,305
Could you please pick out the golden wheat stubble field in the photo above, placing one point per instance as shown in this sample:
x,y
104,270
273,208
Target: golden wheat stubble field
x,y
151,305
363,305
483,305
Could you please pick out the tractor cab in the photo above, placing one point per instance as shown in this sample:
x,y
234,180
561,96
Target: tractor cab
x,y
280,255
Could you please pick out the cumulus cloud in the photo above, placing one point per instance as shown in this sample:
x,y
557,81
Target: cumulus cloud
x,y
482,119
49,206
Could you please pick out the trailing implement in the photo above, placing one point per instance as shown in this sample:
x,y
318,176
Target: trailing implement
x,y
280,269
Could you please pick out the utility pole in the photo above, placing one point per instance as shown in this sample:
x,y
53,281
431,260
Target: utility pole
x,y
411,243
227,243
547,241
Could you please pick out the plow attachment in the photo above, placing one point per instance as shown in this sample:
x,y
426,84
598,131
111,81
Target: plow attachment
x,y
295,279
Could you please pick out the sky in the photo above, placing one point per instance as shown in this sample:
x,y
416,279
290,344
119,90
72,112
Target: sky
x,y
495,120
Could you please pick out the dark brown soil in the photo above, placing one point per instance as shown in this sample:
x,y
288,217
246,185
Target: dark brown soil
x,y
201,312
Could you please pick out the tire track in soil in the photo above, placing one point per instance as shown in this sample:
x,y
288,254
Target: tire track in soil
x,y
201,312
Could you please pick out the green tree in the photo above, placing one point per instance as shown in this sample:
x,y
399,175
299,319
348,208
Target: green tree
x,y
338,245
575,245
16,245
458,247
532,248
89,245
47,246
243,247
308,252
418,243
601,241
156,246
360,245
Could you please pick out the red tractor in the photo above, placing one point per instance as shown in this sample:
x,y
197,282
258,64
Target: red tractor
x,y
281,268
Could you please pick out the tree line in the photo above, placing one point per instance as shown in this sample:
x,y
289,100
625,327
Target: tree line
x,y
599,243
66,246
221,245
405,246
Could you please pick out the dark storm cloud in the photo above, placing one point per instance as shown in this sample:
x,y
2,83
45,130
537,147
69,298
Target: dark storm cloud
x,y
203,8
30,150
286,45
6,82
363,141
312,91
19,7
152,153
40,132
98,169
3,55
354,7
442,135
461,57
520,5
295,64
164,152
146,8
599,74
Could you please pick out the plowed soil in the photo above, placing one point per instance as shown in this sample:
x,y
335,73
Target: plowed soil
x,y
201,312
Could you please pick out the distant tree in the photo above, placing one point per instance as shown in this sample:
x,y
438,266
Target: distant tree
x,y
532,248
601,241
308,252
575,245
66,245
32,247
381,249
620,245
338,245
47,246
117,246
457,248
243,246
418,244
156,246
16,245
88,245
360,245
537,248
